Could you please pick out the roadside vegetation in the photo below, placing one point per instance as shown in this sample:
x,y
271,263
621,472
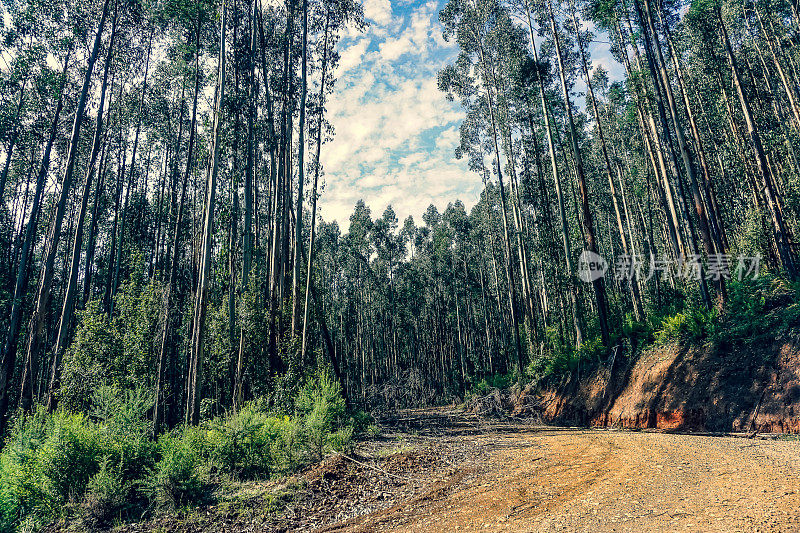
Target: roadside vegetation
x,y
103,465
763,311
175,313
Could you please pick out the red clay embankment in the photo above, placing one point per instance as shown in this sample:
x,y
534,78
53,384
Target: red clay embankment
x,y
716,389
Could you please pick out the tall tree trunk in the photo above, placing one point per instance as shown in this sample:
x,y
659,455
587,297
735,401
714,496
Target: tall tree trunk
x,y
132,180
565,236
705,231
714,220
309,266
654,146
201,302
91,241
632,282
68,308
176,242
786,256
506,237
273,201
12,140
588,229
787,86
247,252
20,289
301,174
38,318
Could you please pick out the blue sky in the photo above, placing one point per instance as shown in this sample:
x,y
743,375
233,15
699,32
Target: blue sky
x,y
395,133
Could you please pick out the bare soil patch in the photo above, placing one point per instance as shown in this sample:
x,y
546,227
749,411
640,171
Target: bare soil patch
x,y
444,470
705,388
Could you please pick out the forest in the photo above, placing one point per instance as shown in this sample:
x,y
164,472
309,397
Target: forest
x,y
168,285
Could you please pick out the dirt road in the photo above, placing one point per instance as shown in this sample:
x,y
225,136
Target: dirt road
x,y
443,471
517,477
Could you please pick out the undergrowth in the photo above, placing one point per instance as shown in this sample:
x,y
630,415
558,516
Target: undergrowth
x,y
105,466
755,311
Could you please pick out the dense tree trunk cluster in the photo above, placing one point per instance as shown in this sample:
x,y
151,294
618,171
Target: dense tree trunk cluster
x,y
162,163
197,109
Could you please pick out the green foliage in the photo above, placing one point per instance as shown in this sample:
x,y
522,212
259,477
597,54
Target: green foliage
x,y
753,236
322,408
46,466
106,494
760,309
256,442
562,359
756,310
177,479
287,386
693,324
59,464
102,466
489,383
242,445
87,362
635,332
341,440
117,352
123,418
361,422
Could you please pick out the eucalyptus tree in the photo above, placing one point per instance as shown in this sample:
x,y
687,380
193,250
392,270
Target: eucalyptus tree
x,y
333,19
20,288
193,21
478,28
581,43
67,311
201,295
38,317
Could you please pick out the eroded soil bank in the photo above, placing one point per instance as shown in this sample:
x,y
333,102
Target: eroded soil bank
x,y
717,389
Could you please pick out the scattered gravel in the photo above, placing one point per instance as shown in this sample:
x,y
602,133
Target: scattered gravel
x,y
444,470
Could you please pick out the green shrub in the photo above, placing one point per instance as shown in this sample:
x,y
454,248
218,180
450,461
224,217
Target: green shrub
x,y
561,359
637,332
107,494
119,351
105,465
177,479
241,444
68,459
322,408
123,415
692,324
361,421
489,383
289,449
341,440
21,492
761,308
672,328
46,466
55,464
372,431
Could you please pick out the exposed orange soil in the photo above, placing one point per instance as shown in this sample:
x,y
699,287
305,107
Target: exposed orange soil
x,y
752,388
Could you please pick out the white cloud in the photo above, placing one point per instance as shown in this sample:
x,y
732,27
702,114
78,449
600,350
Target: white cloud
x,y
395,131
378,11
351,56
394,48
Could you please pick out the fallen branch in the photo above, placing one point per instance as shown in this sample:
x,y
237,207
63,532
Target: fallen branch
x,y
382,470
